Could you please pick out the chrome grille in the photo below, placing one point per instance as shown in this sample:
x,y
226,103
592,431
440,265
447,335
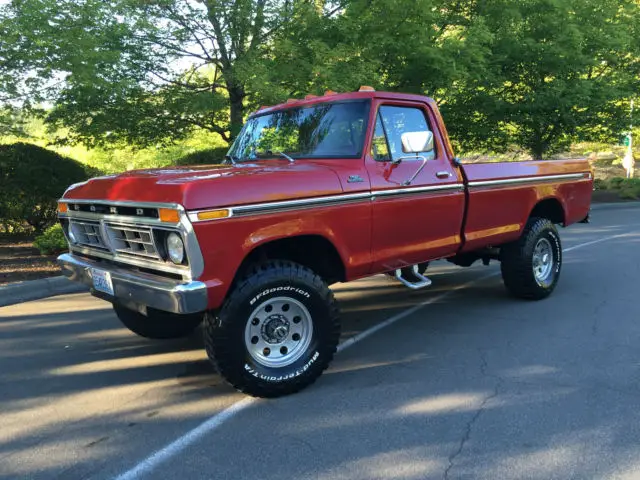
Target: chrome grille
x,y
132,240
87,233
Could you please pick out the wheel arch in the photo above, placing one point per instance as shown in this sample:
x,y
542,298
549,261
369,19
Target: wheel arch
x,y
550,208
314,251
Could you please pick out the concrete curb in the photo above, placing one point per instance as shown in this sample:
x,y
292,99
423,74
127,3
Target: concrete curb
x,y
38,289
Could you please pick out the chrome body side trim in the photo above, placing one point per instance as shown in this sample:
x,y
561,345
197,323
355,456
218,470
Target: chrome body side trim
x,y
303,202
139,288
286,205
536,179
414,190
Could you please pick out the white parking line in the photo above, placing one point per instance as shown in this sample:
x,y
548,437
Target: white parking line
x,y
208,426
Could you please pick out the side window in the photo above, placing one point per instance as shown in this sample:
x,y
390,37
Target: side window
x,y
398,120
379,146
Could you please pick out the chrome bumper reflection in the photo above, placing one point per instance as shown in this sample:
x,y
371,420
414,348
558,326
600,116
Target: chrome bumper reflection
x,y
137,287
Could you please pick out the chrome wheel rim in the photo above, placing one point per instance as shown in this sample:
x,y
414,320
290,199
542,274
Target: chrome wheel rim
x,y
278,332
542,260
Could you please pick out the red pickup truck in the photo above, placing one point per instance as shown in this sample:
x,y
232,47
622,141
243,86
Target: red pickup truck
x,y
315,191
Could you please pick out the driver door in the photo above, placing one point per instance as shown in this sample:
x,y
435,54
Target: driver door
x,y
422,220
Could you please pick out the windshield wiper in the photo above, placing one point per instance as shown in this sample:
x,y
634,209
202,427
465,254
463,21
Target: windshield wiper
x,y
291,159
232,158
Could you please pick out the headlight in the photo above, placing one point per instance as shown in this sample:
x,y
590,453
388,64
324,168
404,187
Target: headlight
x,y
175,248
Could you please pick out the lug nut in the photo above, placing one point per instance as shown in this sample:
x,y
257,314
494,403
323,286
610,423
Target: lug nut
x,y
254,340
255,321
268,308
296,336
285,307
283,350
266,352
296,319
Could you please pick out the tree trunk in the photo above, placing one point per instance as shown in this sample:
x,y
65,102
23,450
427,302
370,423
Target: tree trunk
x,y
236,109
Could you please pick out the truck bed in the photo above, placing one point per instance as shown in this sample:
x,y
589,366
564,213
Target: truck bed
x,y
502,195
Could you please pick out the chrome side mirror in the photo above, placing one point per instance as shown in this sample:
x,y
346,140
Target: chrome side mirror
x,y
417,142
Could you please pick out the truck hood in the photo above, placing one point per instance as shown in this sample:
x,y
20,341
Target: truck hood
x,y
212,186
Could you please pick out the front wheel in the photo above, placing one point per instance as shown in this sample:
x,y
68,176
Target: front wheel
x,y
531,265
276,333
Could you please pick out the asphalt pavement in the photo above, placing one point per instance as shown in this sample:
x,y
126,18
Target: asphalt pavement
x,y
462,382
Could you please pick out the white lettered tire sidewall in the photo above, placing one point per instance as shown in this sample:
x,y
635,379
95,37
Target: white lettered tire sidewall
x,y
225,332
556,246
317,309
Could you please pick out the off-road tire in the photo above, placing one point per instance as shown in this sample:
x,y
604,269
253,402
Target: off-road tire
x,y
518,261
226,338
158,324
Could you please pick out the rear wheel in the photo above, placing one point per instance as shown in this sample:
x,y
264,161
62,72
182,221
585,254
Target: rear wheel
x,y
531,265
276,333
158,324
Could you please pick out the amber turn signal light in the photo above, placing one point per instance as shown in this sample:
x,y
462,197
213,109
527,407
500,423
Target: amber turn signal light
x,y
214,214
63,207
169,215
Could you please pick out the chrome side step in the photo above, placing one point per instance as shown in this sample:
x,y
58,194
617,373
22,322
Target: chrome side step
x,y
422,283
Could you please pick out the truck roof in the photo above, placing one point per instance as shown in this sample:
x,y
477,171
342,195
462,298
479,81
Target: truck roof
x,y
330,96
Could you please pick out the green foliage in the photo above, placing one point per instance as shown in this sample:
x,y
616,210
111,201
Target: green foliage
x,y
144,73
600,184
51,241
626,188
630,189
204,157
616,183
127,76
32,179
558,71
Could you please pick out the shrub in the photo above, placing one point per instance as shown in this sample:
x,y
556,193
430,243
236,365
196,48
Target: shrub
x,y
630,189
616,183
32,178
204,157
600,184
52,241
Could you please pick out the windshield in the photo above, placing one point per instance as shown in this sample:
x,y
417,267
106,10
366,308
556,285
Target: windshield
x,y
320,131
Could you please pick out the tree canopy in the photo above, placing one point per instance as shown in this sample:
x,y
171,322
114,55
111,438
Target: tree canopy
x,y
538,74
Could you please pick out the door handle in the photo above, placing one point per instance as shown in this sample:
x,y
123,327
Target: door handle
x,y
443,174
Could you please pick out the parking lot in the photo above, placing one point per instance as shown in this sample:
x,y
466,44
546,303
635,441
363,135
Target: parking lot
x,y
461,381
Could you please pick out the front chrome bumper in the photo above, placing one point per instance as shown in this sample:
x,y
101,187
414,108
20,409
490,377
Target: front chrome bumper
x,y
137,289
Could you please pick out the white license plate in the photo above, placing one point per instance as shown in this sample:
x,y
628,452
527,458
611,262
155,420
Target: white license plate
x,y
102,281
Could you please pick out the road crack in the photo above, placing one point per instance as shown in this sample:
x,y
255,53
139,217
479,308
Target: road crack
x,y
595,325
469,426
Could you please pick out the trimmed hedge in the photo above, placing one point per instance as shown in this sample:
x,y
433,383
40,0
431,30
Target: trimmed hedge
x,y
32,179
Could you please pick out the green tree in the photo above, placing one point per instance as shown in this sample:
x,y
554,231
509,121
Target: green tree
x,y
139,72
558,72
415,46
